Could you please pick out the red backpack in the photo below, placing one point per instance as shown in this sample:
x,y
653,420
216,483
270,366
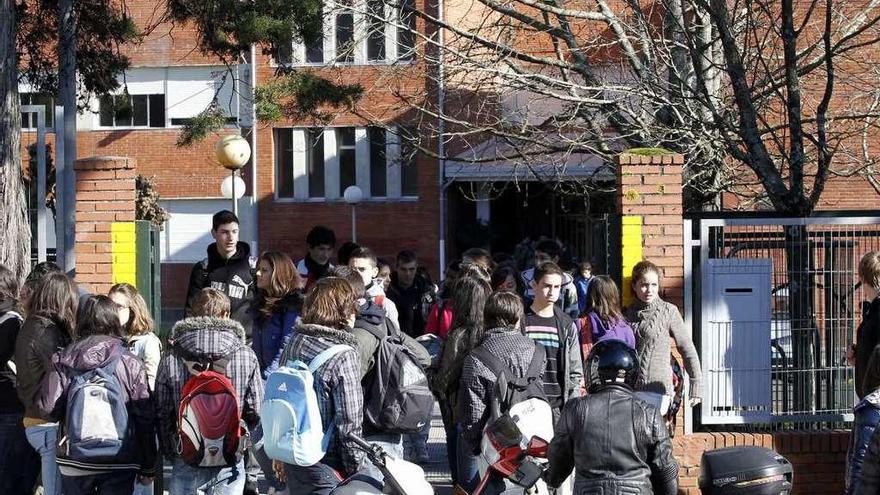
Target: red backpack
x,y
209,422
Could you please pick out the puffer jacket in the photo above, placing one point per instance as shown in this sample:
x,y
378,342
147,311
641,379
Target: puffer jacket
x,y
209,338
867,416
39,338
338,387
611,420
270,334
94,352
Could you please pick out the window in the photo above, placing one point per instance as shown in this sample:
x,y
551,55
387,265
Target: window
x,y
345,44
131,110
362,154
315,158
378,161
29,120
406,37
408,168
315,50
376,30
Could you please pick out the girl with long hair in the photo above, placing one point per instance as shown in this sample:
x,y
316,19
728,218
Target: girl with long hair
x,y
49,328
137,323
277,306
604,320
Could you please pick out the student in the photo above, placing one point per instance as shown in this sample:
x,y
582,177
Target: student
x,y
468,303
138,326
229,268
384,273
547,251
506,279
372,317
100,344
656,323
19,463
548,325
365,263
277,307
49,328
343,254
867,354
636,454
321,242
208,335
502,338
413,294
582,280
329,314
480,257
604,320
440,317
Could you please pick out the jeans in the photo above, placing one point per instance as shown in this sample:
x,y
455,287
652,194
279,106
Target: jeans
x,y
103,484
466,461
43,438
319,479
416,444
392,444
189,480
19,462
451,440
263,460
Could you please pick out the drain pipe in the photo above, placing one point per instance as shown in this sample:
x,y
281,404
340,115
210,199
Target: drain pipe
x,y
441,143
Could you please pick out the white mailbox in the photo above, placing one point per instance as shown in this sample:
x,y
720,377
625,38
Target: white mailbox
x,y
736,341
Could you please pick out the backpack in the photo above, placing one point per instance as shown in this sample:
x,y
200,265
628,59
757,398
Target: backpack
x,y
96,419
400,400
209,423
523,398
293,431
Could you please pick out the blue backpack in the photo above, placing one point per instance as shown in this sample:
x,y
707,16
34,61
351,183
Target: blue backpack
x,y
96,421
291,418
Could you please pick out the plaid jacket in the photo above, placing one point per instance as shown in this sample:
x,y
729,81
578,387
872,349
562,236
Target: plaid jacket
x,y
477,385
338,386
206,336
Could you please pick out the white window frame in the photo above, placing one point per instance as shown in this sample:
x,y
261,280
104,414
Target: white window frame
x,y
301,155
298,49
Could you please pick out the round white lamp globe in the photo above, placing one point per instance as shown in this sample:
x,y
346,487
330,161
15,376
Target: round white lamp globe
x,y
353,195
226,187
232,152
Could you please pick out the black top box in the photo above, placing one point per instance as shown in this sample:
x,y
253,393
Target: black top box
x,y
744,470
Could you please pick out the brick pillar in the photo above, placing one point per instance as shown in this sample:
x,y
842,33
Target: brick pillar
x,y
105,213
650,201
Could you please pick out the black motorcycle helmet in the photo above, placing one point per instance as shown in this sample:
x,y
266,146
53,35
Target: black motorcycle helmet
x,y
612,361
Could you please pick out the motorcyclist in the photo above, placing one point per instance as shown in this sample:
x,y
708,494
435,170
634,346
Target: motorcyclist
x,y
617,443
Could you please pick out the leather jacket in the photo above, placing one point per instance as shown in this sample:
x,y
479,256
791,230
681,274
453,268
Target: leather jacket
x,y
616,443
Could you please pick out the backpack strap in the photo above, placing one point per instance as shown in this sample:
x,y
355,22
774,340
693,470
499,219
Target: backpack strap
x,y
536,367
492,362
195,364
325,356
10,315
374,330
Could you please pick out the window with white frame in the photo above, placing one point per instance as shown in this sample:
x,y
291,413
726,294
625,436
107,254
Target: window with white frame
x,y
315,163
29,120
359,32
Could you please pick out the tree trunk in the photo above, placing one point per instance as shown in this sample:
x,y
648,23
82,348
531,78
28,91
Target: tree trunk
x,y
804,328
15,244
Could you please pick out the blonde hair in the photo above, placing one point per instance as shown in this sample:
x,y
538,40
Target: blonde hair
x,y
211,302
331,302
869,269
140,322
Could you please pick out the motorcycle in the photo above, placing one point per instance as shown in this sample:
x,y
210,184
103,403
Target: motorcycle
x,y
401,477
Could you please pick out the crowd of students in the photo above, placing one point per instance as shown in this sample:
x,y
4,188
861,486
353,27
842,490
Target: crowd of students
x,y
248,317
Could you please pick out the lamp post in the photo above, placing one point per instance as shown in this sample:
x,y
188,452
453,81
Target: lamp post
x,y
232,153
353,195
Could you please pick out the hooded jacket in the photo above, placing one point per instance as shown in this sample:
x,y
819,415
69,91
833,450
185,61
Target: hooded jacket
x,y
338,387
10,326
40,337
413,303
376,294
233,277
93,352
270,334
568,298
867,416
615,443
206,337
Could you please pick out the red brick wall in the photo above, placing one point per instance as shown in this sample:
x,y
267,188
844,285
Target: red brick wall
x,y
105,194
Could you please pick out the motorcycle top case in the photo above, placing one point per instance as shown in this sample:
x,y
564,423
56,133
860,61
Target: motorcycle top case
x,y
745,470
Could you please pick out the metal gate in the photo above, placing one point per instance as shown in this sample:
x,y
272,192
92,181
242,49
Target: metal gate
x,y
595,238
795,375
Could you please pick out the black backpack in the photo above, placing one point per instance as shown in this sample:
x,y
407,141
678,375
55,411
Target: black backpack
x,y
510,389
397,386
